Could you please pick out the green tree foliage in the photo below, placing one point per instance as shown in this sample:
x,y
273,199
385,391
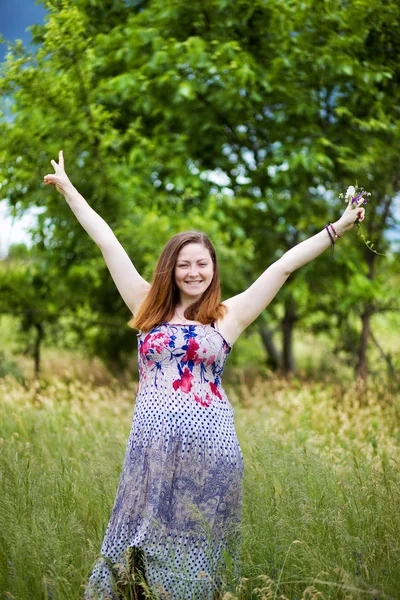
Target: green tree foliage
x,y
26,293
244,119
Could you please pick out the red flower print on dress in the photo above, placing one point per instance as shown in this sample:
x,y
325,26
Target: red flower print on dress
x,y
205,403
185,382
160,346
215,390
191,354
154,341
164,341
210,360
145,346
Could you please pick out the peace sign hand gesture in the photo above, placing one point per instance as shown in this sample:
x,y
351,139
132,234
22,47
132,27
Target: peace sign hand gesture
x,y
59,178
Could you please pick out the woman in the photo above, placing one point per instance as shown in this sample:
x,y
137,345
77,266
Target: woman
x,y
179,496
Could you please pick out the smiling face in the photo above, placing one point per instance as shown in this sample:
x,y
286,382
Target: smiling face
x,y
194,270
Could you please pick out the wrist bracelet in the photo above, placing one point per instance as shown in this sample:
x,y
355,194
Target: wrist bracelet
x,y
334,230
332,241
330,235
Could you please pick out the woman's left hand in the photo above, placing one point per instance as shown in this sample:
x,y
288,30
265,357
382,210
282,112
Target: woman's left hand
x,y
354,212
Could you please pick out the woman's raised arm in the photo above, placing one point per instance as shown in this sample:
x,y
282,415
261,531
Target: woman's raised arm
x,y
130,284
244,308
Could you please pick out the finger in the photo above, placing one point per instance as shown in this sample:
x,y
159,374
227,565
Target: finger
x,y
50,179
61,159
54,165
361,214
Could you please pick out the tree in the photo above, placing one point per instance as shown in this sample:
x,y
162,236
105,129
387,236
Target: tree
x,y
283,103
27,293
246,117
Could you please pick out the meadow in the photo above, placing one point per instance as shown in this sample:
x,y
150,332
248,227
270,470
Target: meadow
x,y
321,491
246,120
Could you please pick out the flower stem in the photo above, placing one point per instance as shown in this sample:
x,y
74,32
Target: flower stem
x,y
368,243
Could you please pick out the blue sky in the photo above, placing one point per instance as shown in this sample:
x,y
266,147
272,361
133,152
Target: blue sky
x,y
15,17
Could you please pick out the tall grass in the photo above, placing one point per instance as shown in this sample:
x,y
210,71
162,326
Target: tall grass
x,y
321,492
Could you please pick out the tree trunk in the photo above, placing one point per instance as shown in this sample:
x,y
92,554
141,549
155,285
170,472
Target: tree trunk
x,y
362,364
274,359
362,367
289,319
36,348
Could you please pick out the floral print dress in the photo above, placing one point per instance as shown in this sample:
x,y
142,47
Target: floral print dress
x,y
179,496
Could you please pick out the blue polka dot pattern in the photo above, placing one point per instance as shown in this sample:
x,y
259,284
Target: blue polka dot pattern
x,y
179,496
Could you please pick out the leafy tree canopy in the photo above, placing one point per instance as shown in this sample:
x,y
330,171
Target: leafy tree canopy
x,y
244,119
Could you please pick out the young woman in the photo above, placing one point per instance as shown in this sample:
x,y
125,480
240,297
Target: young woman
x,y
179,498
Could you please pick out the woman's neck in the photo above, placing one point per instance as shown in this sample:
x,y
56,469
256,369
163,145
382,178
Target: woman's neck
x,y
179,314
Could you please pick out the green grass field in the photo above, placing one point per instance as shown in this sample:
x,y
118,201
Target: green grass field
x,y
321,491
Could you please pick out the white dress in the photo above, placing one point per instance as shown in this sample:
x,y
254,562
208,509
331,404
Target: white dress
x,y
179,496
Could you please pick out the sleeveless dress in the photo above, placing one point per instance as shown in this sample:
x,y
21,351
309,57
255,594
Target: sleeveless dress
x,y
179,496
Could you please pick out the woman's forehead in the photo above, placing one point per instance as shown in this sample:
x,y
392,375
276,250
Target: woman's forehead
x,y
193,251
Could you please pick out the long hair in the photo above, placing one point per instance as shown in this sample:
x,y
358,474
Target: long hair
x,y
159,305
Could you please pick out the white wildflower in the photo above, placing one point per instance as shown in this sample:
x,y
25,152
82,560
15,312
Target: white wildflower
x,y
351,190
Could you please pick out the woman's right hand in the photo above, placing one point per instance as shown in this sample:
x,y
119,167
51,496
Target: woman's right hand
x,y
59,178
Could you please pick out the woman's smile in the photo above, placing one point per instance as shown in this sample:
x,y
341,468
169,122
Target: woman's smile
x,y
194,270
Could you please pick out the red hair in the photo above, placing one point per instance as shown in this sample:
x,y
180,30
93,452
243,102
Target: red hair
x,y
159,305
